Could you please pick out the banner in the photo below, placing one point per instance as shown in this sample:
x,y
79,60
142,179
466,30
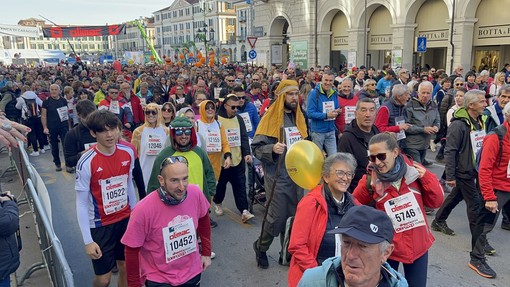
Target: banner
x,y
299,53
19,31
83,31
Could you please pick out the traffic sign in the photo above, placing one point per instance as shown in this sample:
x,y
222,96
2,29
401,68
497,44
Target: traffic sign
x,y
191,60
421,44
252,40
252,54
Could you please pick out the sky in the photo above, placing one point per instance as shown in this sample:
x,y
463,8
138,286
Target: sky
x,y
84,12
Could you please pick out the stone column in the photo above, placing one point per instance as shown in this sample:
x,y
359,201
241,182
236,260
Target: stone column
x,y
356,42
324,47
463,40
403,39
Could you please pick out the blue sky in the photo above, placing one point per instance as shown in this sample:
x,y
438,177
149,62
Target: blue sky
x,y
88,12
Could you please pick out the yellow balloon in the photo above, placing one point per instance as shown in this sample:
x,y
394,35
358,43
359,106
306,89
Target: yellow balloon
x,y
304,164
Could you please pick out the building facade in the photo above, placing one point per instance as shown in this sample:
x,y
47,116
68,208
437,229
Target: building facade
x,y
182,24
374,32
132,39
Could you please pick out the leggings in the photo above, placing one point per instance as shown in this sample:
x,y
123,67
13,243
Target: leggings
x,y
416,272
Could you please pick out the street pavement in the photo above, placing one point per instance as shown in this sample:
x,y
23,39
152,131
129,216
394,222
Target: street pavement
x,y
232,240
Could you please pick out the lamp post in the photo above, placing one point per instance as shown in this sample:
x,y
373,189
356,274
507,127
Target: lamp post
x,y
202,36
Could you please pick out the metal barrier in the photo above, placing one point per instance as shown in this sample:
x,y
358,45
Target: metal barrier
x,y
51,248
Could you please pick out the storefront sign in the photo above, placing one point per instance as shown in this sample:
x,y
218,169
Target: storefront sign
x,y
276,54
340,41
380,39
487,32
299,54
435,35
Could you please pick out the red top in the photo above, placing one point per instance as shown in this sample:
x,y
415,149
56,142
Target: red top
x,y
344,102
493,172
382,119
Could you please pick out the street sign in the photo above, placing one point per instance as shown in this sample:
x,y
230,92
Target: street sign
x,y
258,31
252,40
421,44
252,54
191,60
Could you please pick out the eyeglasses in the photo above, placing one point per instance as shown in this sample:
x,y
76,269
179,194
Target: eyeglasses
x,y
233,107
344,174
151,112
167,110
113,92
459,84
379,156
171,160
180,132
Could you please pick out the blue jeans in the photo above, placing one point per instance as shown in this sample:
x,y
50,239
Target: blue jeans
x,y
416,272
325,141
6,282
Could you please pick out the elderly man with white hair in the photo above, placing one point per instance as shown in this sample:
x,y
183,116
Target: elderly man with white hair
x,y
423,116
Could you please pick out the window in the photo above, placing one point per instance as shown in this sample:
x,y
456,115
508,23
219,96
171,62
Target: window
x,y
231,21
157,17
40,46
229,6
187,11
181,13
32,46
181,26
174,14
188,25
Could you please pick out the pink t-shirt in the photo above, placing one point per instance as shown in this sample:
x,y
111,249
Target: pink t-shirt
x,y
169,252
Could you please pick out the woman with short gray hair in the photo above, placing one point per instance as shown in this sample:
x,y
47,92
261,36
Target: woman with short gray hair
x,y
318,212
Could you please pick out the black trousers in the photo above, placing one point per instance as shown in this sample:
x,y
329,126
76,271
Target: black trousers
x,y
484,224
467,190
55,134
237,178
36,136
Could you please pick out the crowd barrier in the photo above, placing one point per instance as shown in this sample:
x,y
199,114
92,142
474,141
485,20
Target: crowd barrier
x,y
36,196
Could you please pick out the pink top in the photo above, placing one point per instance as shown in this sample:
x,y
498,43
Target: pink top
x,y
150,220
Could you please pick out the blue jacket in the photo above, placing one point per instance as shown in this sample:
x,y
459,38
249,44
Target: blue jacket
x,y
9,223
314,109
330,272
254,116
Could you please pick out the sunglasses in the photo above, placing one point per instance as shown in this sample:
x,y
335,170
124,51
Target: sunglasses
x,y
210,108
180,132
151,112
167,110
233,107
113,92
242,98
459,84
344,174
230,80
171,160
379,156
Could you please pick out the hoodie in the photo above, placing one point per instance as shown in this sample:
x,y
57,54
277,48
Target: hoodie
x,y
21,104
204,128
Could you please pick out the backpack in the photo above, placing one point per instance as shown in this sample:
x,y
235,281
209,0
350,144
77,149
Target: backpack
x,y
500,131
32,109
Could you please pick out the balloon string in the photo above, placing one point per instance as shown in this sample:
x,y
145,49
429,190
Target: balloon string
x,y
268,203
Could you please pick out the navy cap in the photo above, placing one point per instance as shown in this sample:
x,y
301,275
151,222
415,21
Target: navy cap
x,y
366,224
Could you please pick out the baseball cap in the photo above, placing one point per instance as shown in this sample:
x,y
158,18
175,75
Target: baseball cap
x,y
366,224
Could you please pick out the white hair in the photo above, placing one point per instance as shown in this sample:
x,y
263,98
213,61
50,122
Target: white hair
x,y
506,110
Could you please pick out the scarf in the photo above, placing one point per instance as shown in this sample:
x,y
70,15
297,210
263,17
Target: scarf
x,y
396,173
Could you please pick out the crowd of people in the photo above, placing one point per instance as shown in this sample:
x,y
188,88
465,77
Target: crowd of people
x,y
153,148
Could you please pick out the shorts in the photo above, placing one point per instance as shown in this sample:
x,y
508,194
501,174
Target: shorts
x,y
108,238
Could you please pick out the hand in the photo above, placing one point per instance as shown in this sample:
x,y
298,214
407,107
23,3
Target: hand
x,y
127,125
492,206
279,148
46,131
10,136
404,127
451,183
206,262
421,170
428,130
93,250
436,129
248,159
6,196
227,163
332,114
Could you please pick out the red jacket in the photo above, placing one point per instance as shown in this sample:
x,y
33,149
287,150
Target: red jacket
x,y
307,232
344,102
411,244
382,119
136,108
492,172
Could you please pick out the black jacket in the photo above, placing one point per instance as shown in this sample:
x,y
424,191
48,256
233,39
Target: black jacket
x,y
9,223
355,141
74,144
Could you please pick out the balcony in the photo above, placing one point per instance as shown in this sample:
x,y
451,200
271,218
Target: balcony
x,y
241,18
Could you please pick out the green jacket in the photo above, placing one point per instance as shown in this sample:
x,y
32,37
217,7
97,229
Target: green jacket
x,y
200,170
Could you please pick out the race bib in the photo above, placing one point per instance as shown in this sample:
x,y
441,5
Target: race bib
x,y
154,144
180,101
234,137
247,121
179,239
292,135
405,212
328,107
143,102
217,92
114,193
213,141
115,107
401,134
63,113
476,141
349,114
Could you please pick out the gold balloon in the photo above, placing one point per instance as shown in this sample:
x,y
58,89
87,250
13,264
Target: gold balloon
x,y
304,164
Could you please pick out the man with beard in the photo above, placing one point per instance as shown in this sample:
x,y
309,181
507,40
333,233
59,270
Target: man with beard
x,y
271,142
357,136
